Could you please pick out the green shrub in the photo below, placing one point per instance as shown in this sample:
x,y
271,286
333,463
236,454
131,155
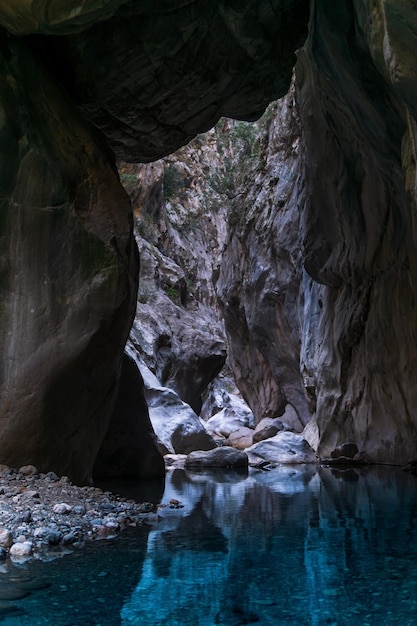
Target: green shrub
x,y
173,181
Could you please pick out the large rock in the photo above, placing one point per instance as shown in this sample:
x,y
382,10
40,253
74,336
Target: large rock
x,y
129,448
68,276
228,420
320,272
68,261
176,425
284,448
356,93
259,281
184,345
223,457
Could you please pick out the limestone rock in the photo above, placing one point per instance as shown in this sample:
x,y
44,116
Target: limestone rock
x,y
266,432
68,268
228,420
22,549
285,447
259,280
359,347
151,79
6,538
129,448
241,438
176,425
223,457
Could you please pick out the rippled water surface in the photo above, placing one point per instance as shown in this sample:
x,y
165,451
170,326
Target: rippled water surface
x,y
291,546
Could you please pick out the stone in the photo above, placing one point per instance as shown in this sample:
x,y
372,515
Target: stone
x,y
23,549
224,457
285,447
228,420
176,425
346,450
6,538
53,537
141,127
266,427
174,461
265,433
12,593
76,305
62,508
28,470
241,438
129,448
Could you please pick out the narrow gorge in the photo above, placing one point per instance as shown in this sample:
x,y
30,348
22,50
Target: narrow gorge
x,y
277,248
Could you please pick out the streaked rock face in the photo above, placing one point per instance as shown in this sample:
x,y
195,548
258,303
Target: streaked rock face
x,y
78,80
151,78
68,277
355,93
319,283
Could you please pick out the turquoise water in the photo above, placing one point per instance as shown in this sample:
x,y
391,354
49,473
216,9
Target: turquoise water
x,y
287,547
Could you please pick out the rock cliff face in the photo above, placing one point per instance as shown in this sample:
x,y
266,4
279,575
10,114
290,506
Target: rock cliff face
x,y
78,81
68,276
358,226
321,259
259,281
324,255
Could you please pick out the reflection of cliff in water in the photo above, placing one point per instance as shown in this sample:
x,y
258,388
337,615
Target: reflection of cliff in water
x,y
290,546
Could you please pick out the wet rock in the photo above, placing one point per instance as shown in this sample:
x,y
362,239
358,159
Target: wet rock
x,y
346,451
175,461
224,457
12,593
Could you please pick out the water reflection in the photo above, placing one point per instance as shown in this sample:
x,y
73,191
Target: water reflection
x,y
287,547
290,546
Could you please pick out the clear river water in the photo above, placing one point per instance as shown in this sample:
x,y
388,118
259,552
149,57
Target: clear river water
x,y
293,546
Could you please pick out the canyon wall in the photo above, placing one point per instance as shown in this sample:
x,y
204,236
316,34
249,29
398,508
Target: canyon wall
x,y
319,278
79,83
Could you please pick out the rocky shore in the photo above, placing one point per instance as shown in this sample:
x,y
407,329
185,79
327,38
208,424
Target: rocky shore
x,y
43,515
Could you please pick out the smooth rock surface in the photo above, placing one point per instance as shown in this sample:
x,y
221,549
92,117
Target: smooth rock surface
x,y
68,275
223,457
129,448
241,438
151,79
176,425
285,447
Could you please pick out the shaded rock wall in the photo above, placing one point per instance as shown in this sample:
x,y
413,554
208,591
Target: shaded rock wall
x,y
153,76
78,81
129,448
358,227
320,271
258,286
68,276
